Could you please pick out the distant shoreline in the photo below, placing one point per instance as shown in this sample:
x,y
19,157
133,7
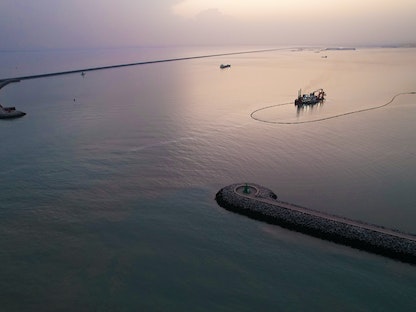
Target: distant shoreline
x,y
83,70
339,49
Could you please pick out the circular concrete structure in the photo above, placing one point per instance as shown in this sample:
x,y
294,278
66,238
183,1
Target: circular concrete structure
x,y
260,203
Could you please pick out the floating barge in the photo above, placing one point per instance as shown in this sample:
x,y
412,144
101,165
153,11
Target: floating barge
x,y
317,96
260,203
10,112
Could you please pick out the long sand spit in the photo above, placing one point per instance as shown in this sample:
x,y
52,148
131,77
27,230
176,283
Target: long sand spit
x,y
260,203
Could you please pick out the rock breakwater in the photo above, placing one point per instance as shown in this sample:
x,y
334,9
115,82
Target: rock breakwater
x,y
260,203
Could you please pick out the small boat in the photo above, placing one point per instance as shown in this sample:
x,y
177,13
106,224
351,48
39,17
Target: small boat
x,y
10,112
222,66
314,97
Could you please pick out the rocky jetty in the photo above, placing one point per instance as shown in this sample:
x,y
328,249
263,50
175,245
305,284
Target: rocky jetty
x,y
260,203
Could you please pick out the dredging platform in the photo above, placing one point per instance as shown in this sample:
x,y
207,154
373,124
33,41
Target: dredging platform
x,y
260,203
317,96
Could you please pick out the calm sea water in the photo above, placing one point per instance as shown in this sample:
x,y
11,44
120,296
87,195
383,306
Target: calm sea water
x,y
108,184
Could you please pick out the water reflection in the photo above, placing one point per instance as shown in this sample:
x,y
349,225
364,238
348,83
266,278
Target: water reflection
x,y
308,108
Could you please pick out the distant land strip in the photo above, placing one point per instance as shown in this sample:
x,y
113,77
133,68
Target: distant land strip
x,y
5,81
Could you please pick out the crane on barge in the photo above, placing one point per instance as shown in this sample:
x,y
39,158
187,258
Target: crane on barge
x,y
312,98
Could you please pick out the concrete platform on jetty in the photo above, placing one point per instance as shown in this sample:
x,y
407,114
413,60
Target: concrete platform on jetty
x,y
260,203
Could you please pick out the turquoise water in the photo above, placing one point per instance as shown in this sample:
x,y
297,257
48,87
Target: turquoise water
x,y
108,182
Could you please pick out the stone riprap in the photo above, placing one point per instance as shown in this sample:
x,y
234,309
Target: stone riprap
x,y
260,203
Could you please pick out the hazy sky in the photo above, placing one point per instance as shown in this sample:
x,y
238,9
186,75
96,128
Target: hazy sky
x,y
28,24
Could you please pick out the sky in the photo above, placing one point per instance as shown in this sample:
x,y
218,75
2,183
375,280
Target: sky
x,y
56,24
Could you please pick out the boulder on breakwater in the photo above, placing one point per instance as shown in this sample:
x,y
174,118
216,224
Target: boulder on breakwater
x,y
260,203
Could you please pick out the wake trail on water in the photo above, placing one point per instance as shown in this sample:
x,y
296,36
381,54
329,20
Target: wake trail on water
x,y
324,118
197,138
161,143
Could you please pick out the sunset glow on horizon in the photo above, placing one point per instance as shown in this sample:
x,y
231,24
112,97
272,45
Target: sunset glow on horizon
x,y
269,8
76,23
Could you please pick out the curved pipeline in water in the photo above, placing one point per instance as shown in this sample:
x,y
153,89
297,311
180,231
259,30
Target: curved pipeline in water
x,y
324,118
